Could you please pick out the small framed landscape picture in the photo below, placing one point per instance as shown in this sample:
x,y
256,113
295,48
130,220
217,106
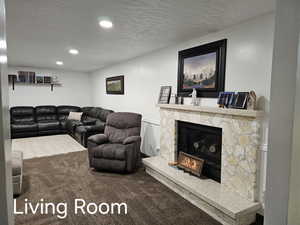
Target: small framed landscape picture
x,y
39,79
115,85
47,79
164,95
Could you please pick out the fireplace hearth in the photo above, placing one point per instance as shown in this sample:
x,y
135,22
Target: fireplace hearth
x,y
204,142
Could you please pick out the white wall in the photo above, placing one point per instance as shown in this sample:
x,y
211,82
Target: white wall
x,y
248,67
75,89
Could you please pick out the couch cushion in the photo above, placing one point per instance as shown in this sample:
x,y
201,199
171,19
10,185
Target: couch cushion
x,y
48,125
63,124
24,127
110,151
96,112
20,114
124,120
64,110
45,113
121,125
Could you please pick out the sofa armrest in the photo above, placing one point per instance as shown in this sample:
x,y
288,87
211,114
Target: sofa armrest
x,y
98,139
131,139
72,124
95,128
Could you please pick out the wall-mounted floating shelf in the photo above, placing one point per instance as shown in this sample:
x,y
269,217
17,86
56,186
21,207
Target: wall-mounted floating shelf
x,y
13,83
28,78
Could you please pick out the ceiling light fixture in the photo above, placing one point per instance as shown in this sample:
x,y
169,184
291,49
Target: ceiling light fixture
x,y
60,63
3,59
3,44
106,24
73,51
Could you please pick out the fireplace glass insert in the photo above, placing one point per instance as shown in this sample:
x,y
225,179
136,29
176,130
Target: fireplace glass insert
x,y
204,142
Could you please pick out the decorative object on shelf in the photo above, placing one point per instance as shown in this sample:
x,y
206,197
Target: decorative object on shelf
x,y
39,79
251,101
190,163
164,95
224,99
179,100
31,77
21,78
202,68
55,80
115,85
47,80
26,77
173,98
239,100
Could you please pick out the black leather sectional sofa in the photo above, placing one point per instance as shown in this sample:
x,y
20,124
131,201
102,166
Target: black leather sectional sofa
x,y
27,121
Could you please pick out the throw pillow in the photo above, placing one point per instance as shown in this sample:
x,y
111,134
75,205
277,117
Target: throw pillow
x,y
75,116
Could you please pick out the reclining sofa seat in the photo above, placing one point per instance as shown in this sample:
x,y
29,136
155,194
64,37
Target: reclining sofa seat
x,y
93,122
63,112
46,118
22,119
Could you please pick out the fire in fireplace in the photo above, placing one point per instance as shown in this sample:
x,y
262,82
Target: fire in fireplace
x,y
204,142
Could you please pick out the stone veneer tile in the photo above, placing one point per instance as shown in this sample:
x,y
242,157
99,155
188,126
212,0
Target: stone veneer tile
x,y
240,141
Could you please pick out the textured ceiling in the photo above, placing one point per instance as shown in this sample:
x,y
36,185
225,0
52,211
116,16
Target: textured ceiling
x,y
39,32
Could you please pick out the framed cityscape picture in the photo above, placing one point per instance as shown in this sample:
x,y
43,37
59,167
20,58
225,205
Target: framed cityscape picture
x,y
202,68
115,85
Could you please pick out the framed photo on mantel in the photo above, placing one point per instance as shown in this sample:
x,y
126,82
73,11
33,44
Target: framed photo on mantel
x,y
202,68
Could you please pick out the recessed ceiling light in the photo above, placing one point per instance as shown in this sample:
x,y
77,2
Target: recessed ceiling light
x,y
60,63
73,51
3,59
3,44
105,24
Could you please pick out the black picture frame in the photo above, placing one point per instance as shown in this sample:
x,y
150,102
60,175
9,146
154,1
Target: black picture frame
x,y
224,99
116,79
239,100
165,95
39,79
217,47
47,80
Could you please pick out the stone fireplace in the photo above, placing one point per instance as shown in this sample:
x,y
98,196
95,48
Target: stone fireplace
x,y
228,141
204,142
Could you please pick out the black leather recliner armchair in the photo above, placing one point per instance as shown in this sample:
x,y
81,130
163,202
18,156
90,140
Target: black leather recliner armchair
x,y
118,149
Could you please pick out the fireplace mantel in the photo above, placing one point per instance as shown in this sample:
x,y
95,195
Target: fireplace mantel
x,y
215,110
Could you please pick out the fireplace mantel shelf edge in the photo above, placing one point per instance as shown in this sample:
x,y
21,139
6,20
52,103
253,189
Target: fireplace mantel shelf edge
x,y
214,110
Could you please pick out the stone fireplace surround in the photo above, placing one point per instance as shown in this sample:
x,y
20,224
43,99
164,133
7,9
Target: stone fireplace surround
x,y
234,200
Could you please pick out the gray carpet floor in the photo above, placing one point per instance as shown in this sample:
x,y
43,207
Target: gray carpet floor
x,y
63,178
